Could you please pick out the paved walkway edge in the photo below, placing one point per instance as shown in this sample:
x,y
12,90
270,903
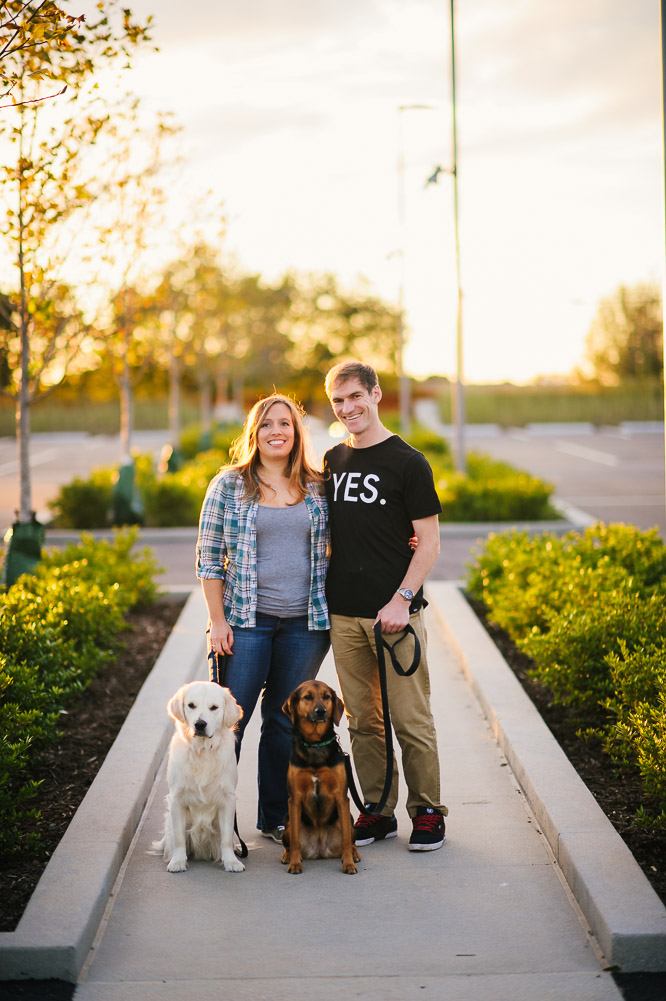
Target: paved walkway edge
x,y
624,913
55,934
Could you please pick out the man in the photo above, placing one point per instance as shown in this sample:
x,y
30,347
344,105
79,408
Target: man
x,y
380,492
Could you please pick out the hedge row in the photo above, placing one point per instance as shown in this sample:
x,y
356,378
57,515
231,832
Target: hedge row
x,y
489,491
58,628
590,611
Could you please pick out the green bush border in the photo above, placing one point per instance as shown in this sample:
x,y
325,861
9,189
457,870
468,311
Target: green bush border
x,y
59,628
590,611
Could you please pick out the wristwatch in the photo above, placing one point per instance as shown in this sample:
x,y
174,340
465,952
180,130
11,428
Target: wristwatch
x,y
406,593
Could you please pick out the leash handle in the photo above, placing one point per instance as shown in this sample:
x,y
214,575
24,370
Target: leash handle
x,y
381,645
217,667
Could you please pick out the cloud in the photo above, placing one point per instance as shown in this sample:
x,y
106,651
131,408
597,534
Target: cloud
x,y
253,21
602,55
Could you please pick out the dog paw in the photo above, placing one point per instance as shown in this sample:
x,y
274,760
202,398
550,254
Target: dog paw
x,y
285,858
176,866
349,868
295,868
233,865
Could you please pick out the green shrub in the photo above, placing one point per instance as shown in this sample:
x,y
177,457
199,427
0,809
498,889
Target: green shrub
x,y
496,495
641,740
169,499
430,443
638,706
169,502
590,611
193,441
58,629
83,503
489,491
571,657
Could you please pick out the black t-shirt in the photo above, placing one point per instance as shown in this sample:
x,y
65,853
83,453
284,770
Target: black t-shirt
x,y
374,495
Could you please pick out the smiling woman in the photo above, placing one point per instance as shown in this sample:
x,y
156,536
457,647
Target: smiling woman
x,y
262,556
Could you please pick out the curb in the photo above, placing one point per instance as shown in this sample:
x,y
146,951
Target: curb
x,y
54,936
625,914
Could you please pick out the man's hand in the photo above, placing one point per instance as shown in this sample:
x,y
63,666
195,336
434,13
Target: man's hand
x,y
394,616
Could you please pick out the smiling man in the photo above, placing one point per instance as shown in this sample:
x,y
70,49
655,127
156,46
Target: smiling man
x,y
380,492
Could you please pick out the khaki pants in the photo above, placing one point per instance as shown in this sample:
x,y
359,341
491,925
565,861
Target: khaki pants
x,y
409,703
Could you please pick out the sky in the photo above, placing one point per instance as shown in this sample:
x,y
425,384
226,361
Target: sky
x,y
297,114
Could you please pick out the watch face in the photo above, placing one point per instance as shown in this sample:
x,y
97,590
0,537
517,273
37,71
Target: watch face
x,y
406,593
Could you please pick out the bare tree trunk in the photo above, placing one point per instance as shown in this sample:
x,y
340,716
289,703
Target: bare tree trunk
x,y
174,394
239,385
23,400
126,412
205,402
23,438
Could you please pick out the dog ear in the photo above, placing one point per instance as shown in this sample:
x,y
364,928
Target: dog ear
x,y
176,705
289,708
338,707
232,711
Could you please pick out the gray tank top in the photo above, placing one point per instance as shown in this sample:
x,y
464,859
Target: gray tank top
x,y
283,560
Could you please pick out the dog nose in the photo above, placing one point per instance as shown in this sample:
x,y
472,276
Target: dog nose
x,y
320,712
200,726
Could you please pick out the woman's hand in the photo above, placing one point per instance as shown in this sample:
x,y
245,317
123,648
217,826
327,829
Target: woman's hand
x,y
221,637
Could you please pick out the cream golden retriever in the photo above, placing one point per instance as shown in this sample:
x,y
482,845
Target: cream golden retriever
x,y
202,776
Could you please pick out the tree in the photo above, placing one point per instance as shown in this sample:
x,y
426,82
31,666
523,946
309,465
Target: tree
x,y
625,340
47,190
33,26
326,323
129,235
197,299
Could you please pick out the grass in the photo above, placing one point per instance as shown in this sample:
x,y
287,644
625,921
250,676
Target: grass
x,y
96,418
516,406
506,405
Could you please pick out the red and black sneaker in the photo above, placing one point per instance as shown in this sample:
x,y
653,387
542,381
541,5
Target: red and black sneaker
x,y
427,830
368,829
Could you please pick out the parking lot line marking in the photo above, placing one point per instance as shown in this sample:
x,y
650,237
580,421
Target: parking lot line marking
x,y
591,454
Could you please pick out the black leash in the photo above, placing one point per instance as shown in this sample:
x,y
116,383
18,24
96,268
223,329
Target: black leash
x,y
381,645
218,675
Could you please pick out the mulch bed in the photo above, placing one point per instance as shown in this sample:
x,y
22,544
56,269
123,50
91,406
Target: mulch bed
x,y
68,766
617,788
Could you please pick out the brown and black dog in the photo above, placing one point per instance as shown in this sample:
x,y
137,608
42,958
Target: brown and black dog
x,y
319,821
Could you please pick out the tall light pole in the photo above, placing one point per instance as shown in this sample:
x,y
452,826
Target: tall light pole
x,y
663,111
459,395
403,378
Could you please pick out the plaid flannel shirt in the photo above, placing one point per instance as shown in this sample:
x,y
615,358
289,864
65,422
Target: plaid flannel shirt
x,y
227,549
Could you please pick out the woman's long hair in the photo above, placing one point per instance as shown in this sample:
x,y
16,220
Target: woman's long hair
x,y
246,460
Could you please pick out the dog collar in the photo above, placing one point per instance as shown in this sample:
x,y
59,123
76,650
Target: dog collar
x,y
322,743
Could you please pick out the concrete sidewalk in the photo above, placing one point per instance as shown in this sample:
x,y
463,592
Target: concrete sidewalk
x,y
487,916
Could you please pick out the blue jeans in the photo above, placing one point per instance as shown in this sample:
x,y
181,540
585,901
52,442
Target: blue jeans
x,y
270,660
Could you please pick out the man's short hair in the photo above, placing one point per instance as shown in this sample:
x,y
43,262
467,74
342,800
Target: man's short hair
x,y
344,370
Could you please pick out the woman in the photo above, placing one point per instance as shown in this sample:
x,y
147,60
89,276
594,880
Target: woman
x,y
262,556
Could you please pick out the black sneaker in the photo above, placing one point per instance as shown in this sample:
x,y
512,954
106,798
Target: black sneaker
x,y
368,829
273,832
427,830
